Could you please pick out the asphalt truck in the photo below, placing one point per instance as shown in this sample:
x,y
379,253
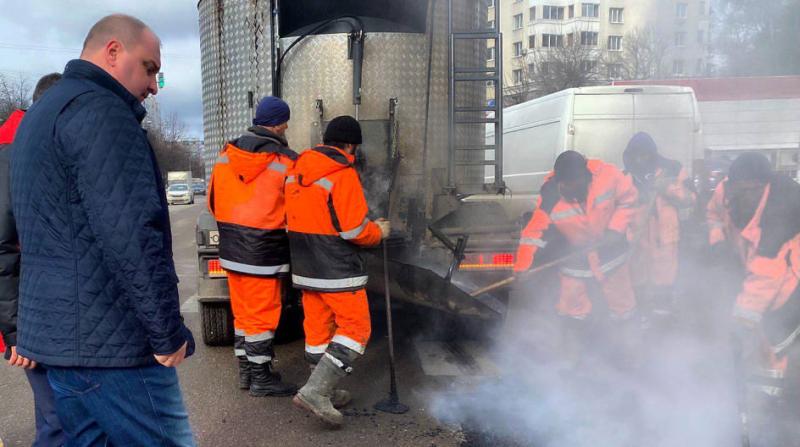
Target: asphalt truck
x,y
414,73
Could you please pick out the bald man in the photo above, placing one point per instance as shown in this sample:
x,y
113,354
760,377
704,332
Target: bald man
x,y
98,296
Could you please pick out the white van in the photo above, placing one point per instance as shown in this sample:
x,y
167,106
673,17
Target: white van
x,y
597,122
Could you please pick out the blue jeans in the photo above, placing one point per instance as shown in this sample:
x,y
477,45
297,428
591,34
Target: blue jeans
x,y
121,406
48,426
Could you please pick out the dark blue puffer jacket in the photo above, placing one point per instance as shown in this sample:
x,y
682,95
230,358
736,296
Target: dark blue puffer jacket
x,y
98,286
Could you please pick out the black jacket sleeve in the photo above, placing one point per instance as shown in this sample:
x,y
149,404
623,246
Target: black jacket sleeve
x,y
9,256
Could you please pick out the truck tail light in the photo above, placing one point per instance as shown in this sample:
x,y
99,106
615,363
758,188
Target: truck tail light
x,y
215,270
487,261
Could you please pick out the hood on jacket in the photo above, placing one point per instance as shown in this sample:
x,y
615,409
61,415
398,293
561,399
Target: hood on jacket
x,y
9,128
320,161
250,154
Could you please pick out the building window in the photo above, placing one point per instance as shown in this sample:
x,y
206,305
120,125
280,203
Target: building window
x,y
490,54
570,39
552,12
571,11
530,71
490,84
590,10
517,76
615,15
588,66
532,41
680,39
490,24
544,67
615,43
518,21
701,37
552,40
517,49
614,71
677,67
490,3
589,38
532,13
698,69
518,1
680,10
702,8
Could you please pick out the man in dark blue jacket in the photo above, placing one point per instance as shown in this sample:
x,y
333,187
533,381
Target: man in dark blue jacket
x,y
98,301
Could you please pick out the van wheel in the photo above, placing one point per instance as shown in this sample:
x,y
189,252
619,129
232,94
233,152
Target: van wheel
x,y
217,322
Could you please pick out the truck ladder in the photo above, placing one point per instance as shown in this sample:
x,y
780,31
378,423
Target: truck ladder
x,y
459,115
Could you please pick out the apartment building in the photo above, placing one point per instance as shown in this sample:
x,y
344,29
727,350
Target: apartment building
x,y
680,29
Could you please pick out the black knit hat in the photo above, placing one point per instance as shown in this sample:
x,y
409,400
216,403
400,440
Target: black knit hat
x,y
343,129
750,166
570,165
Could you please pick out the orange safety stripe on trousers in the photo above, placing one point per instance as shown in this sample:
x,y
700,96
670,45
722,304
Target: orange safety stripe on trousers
x,y
341,317
255,302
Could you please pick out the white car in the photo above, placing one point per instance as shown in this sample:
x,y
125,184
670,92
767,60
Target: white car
x,y
180,193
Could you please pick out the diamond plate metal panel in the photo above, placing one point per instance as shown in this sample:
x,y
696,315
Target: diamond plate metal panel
x,y
235,60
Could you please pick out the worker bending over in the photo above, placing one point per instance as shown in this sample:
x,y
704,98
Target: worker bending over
x,y
592,205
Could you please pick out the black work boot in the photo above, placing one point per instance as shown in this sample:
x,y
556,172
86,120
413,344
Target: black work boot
x,y
264,382
244,373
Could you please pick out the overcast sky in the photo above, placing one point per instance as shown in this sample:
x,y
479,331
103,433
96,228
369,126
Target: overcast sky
x,y
39,37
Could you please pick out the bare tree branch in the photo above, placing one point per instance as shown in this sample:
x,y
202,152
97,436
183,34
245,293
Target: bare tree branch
x,y
15,94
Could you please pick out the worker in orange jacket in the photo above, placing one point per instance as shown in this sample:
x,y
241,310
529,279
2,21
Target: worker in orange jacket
x,y
328,226
246,197
758,213
665,200
592,205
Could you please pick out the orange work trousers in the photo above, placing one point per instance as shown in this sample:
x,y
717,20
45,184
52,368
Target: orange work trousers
x,y
255,301
340,317
616,288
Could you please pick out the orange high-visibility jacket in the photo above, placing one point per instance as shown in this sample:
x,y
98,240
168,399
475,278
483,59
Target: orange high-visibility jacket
x,y
327,221
662,215
610,205
246,198
769,246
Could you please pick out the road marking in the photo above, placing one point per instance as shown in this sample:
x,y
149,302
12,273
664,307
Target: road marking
x,y
454,359
190,306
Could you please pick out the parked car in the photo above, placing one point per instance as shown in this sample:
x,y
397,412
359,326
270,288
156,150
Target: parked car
x,y
180,193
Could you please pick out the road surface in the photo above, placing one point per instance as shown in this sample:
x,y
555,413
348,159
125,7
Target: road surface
x,y
222,415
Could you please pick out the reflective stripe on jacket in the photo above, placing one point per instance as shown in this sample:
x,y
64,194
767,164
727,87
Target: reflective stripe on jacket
x,y
327,221
610,205
769,246
246,198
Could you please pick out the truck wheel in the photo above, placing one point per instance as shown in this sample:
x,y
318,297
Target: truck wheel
x,y
217,322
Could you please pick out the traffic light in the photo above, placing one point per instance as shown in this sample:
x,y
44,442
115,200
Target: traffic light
x,y
160,79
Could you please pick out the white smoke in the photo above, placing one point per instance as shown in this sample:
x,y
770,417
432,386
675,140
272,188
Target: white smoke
x,y
682,394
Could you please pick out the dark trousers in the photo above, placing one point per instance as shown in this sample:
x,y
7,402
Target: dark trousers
x,y
48,426
140,406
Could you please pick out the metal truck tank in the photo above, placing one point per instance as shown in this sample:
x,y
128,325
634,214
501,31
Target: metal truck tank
x,y
403,104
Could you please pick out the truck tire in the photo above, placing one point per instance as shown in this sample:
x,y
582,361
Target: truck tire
x,y
217,322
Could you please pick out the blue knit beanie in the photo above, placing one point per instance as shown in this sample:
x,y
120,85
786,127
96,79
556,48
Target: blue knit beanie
x,y
271,111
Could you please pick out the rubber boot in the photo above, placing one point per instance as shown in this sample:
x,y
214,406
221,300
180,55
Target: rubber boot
x,y
264,382
244,373
339,398
315,395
